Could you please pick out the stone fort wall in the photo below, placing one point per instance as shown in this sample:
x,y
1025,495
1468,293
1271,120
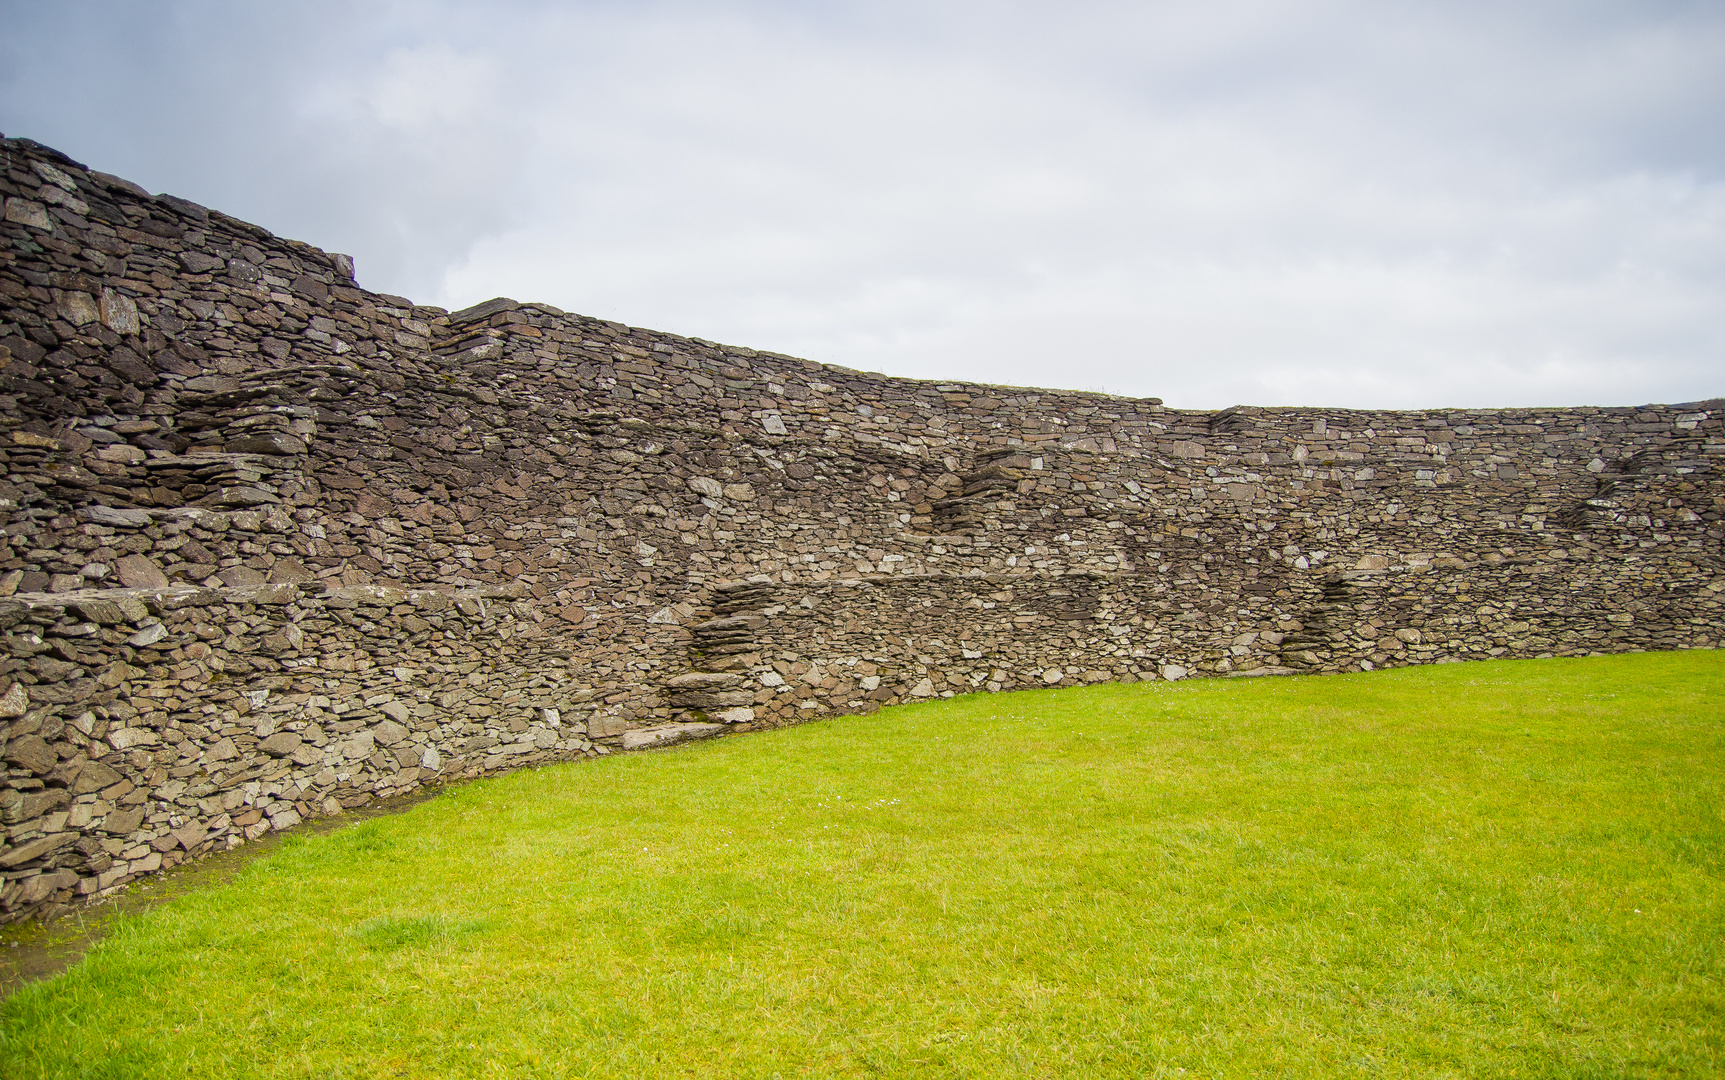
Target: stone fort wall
x,y
276,545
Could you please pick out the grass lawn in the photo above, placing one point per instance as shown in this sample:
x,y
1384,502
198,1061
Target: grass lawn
x,y
1491,870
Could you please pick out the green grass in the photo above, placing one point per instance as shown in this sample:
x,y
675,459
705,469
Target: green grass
x,y
1502,869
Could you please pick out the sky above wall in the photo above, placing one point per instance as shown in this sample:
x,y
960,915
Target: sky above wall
x,y
1316,202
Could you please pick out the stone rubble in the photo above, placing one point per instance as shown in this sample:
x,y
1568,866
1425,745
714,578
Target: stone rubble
x,y
277,545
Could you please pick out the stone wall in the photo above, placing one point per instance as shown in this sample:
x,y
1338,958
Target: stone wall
x,y
276,545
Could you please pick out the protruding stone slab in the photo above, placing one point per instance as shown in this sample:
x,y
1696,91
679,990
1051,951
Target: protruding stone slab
x,y
704,680
666,734
478,312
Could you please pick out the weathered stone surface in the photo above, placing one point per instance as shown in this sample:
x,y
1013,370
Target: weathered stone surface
x,y
600,726
704,680
666,734
289,570
281,744
108,515
389,733
127,738
31,752
140,572
31,850
99,611
95,776
14,702
707,699
123,822
276,443
149,635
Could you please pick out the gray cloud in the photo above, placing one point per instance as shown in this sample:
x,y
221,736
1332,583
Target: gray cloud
x,y
1342,203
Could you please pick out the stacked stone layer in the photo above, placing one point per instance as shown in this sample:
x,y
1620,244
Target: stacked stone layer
x,y
276,545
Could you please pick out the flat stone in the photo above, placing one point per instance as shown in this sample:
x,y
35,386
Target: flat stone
x,y
36,849
241,496
14,702
119,312
277,444
397,711
101,612
123,822
116,516
290,571
223,750
665,734
95,776
388,733
281,744
140,572
704,680
239,576
149,635
126,738
491,307
32,752
600,726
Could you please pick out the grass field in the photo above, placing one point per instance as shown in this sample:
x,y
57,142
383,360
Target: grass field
x,y
1483,870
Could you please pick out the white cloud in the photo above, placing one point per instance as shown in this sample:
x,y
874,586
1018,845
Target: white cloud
x,y
1317,202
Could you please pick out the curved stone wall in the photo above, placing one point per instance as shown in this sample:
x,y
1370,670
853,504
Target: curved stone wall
x,y
276,545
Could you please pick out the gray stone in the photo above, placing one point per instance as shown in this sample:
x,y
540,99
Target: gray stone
x,y
14,702
119,312
240,576
601,725
31,850
223,750
140,572
101,612
397,711
123,822
95,776
25,212
290,571
32,752
477,312
127,738
241,495
388,733
276,443
149,635
666,734
281,744
116,516
704,680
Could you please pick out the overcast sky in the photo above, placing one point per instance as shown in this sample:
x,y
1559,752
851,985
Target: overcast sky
x,y
1324,203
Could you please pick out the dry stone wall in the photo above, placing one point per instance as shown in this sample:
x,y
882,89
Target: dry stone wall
x,y
276,545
